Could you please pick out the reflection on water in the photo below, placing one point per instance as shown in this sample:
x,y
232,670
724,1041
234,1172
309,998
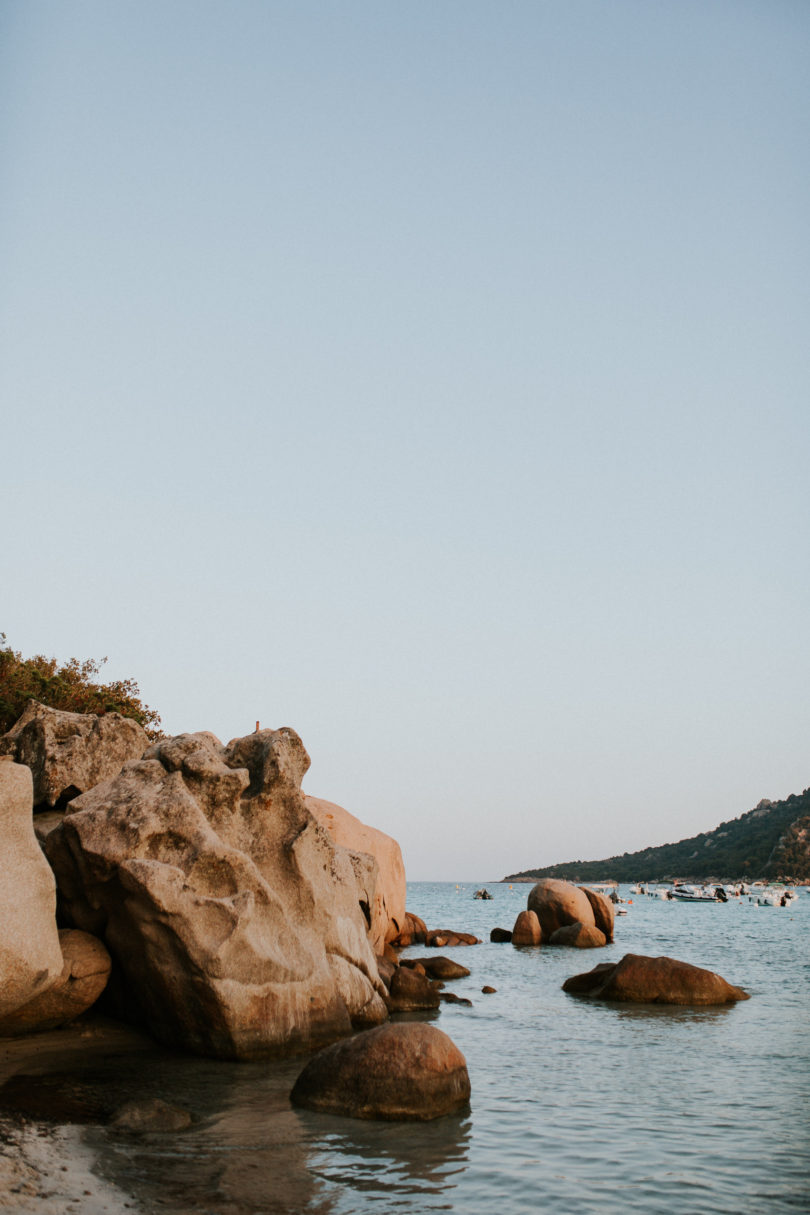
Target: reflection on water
x,y
388,1161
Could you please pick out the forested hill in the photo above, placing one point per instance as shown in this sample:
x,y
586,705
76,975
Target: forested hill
x,y
771,841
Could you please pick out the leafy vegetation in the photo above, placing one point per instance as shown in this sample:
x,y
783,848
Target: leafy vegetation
x,y
71,685
773,840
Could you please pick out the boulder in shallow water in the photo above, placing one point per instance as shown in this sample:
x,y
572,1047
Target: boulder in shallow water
x,y
69,753
500,936
30,956
235,919
603,911
411,990
405,1072
440,938
527,930
440,967
559,903
578,936
643,980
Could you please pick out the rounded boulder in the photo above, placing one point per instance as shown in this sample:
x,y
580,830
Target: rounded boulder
x,y
527,930
408,1072
579,936
559,903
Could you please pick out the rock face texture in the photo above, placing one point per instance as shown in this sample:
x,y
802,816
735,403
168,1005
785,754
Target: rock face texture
x,y
643,980
85,971
233,916
387,910
30,956
559,903
69,753
408,1072
527,930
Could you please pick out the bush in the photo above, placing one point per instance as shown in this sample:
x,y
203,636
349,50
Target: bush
x,y
72,686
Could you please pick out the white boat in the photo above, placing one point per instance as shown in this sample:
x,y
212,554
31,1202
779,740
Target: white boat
x,y
699,894
776,896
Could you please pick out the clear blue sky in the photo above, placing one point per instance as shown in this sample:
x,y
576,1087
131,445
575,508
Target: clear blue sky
x,y
432,379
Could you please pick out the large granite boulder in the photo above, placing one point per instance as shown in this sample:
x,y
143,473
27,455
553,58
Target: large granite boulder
x,y
235,919
69,753
642,980
603,911
406,1072
387,911
85,971
30,956
557,903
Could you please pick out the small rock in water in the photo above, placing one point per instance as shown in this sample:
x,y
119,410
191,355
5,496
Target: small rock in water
x,y
406,1072
489,991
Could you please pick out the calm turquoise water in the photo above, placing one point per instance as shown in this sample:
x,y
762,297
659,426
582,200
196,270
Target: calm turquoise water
x,y
576,1108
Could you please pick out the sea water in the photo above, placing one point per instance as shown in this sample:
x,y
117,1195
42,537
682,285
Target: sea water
x,y
576,1107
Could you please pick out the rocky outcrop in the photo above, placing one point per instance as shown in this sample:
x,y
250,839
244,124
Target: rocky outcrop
x,y
85,971
30,956
387,909
559,903
642,980
404,1072
527,930
69,753
233,916
604,914
578,936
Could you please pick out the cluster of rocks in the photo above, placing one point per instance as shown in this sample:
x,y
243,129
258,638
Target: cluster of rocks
x,y
232,921
209,899
559,913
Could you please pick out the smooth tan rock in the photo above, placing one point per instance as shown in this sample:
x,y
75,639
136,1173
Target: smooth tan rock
x,y
527,930
405,1072
234,917
643,980
85,971
30,956
387,908
578,936
413,932
559,903
603,912
69,753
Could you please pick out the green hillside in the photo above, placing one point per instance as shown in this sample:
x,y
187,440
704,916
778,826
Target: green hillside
x,y
772,840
